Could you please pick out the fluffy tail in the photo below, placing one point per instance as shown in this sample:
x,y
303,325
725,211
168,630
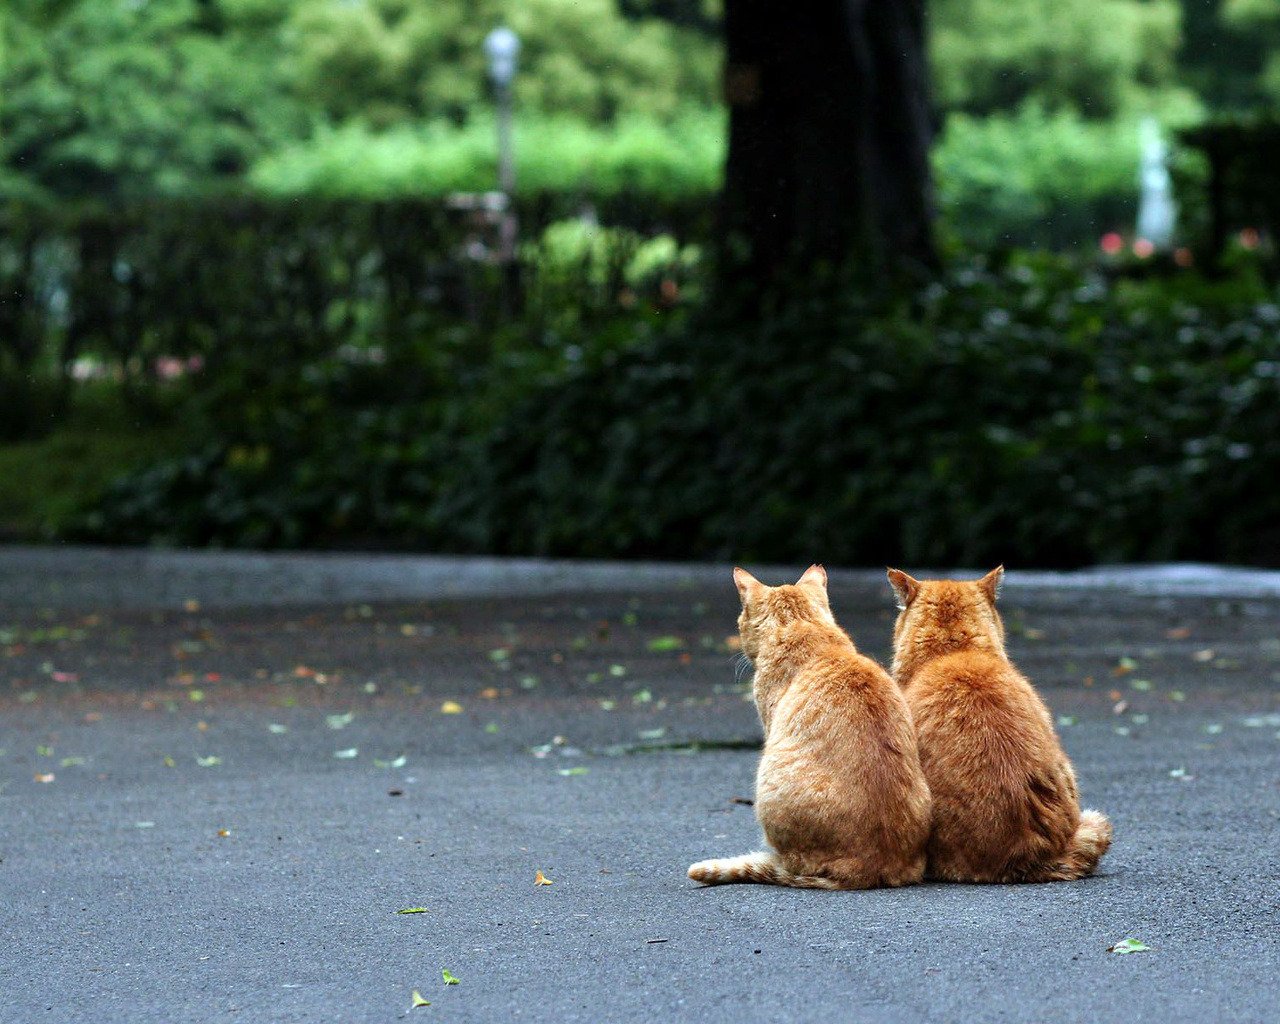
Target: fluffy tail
x,y
764,868
1091,841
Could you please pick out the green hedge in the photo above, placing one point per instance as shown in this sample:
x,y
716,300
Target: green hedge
x,y
1029,413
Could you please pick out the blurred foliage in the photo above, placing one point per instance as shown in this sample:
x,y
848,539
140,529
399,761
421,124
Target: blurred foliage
x,y
1035,178
640,153
1098,58
105,98
1028,411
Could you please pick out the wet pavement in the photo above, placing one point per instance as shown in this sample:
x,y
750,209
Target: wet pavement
x,y
222,775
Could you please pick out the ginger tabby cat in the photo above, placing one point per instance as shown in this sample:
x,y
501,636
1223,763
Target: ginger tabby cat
x,y
839,791
1005,805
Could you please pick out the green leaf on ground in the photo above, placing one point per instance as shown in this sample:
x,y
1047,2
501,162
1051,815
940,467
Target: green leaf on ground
x,y
574,771
653,734
449,979
1128,946
277,728
398,762
418,1000
499,654
211,761
665,643
339,721
643,697
347,755
617,671
412,910
491,728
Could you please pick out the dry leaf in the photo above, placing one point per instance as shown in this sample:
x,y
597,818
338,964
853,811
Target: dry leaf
x,y
48,777
451,707
538,879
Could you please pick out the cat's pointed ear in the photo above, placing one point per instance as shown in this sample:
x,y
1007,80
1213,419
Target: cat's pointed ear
x,y
748,586
814,576
990,583
906,587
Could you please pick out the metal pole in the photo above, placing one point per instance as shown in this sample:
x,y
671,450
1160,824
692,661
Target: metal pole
x,y
506,151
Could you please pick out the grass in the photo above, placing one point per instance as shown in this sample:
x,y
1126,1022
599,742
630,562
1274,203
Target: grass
x,y
52,480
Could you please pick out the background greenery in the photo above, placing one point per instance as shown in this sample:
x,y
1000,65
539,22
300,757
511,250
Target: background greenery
x,y
233,308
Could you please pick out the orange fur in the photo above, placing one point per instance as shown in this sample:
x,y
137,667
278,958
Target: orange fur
x,y
1005,805
839,790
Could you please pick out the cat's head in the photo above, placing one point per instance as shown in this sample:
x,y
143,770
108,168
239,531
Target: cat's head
x,y
766,610
948,613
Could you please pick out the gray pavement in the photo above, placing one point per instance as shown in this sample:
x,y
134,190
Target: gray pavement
x,y
582,720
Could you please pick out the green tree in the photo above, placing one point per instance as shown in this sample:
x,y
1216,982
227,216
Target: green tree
x,y
1098,57
391,61
104,98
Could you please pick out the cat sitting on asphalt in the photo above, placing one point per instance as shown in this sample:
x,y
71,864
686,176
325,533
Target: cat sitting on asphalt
x,y
1005,805
840,793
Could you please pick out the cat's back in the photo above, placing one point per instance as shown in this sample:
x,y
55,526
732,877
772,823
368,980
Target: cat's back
x,y
976,693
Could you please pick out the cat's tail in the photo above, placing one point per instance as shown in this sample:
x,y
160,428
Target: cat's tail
x,y
764,868
1091,841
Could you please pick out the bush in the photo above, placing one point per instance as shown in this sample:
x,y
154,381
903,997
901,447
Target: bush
x,y
1026,412
675,158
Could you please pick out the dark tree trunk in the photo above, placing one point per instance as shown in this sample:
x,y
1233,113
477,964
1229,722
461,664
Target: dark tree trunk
x,y
829,136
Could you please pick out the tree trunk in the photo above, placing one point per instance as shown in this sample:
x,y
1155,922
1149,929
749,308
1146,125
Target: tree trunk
x,y
829,136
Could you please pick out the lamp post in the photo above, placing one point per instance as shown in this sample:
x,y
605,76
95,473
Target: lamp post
x,y
502,47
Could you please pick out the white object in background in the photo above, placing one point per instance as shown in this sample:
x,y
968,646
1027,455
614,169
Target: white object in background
x,y
1156,210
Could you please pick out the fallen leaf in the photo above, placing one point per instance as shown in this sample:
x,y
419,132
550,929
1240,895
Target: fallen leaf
x,y
1121,706
617,671
541,879
451,707
1124,667
449,979
277,728
1181,773
491,728
412,910
665,643
652,734
212,761
224,832
1206,655
1178,633
499,654
1128,946
347,755
643,697
45,777
339,721
574,771
1140,684
418,1000
489,693
398,762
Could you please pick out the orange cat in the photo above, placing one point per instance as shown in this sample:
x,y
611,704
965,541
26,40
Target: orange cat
x,y
839,791
1005,806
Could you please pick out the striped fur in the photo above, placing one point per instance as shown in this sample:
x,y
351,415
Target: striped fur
x,y
763,868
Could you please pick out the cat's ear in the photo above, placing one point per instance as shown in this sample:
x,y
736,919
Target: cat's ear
x,y
904,586
748,586
814,576
990,583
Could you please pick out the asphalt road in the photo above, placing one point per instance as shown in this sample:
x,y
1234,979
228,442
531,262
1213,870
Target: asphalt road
x,y
229,827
